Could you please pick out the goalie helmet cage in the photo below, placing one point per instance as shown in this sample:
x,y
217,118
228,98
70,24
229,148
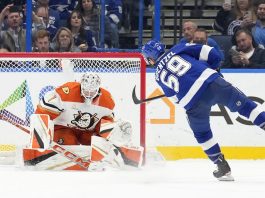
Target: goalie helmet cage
x,y
131,65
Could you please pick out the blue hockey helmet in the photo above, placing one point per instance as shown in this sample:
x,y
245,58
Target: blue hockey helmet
x,y
152,50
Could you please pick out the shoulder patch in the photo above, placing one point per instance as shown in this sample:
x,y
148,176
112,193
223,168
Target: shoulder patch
x,y
66,90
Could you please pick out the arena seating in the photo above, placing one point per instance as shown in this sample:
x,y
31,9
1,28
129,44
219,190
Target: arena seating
x,y
209,11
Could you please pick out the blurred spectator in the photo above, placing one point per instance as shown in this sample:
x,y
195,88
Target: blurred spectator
x,y
246,53
229,18
83,39
258,30
114,13
18,3
64,7
4,48
42,41
64,42
189,28
91,17
4,3
45,18
200,36
15,36
130,14
148,3
126,16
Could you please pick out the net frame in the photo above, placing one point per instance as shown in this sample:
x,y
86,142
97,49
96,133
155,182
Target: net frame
x,y
96,55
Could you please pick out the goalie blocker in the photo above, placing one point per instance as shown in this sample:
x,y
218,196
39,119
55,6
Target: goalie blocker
x,y
108,149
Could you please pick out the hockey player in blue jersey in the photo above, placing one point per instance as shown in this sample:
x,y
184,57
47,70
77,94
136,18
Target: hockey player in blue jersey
x,y
187,75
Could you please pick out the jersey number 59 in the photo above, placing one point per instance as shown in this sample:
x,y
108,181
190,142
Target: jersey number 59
x,y
175,68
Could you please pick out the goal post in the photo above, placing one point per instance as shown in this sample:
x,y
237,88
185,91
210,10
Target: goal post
x,y
26,77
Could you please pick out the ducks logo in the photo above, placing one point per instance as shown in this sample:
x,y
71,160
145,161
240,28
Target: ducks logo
x,y
85,120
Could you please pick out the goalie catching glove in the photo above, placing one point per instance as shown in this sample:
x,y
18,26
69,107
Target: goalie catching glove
x,y
119,133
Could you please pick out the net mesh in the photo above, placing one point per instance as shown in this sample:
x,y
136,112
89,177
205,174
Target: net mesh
x,y
110,64
120,65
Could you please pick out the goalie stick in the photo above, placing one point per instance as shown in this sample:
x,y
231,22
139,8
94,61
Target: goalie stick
x,y
138,101
55,147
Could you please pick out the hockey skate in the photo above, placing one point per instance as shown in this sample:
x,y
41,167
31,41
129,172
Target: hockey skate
x,y
223,172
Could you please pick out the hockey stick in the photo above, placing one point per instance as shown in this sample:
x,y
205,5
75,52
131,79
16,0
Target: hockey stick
x,y
137,101
15,124
55,147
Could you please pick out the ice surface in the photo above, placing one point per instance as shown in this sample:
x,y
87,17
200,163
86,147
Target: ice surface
x,y
182,178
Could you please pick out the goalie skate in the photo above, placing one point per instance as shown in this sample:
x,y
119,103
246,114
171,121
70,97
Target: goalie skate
x,y
223,172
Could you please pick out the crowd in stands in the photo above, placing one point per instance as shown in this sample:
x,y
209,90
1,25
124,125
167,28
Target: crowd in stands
x,y
71,25
74,26
189,29
245,53
244,22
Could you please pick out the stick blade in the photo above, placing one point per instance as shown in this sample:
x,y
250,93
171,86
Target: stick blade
x,y
138,101
134,97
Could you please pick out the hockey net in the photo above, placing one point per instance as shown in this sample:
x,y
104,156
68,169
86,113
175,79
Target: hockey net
x,y
26,77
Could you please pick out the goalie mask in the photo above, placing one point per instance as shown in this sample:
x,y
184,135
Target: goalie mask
x,y
90,84
152,51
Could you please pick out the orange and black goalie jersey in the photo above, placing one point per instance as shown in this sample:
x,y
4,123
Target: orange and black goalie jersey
x,y
67,107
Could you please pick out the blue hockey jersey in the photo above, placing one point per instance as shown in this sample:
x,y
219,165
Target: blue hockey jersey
x,y
114,10
64,7
185,71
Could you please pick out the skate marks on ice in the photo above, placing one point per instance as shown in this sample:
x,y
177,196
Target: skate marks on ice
x,y
182,178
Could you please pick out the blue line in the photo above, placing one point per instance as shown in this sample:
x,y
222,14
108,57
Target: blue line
x,y
107,69
104,69
150,70
250,71
242,70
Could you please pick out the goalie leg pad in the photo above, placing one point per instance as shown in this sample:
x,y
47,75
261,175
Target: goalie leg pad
x,y
41,131
40,159
103,150
32,157
132,156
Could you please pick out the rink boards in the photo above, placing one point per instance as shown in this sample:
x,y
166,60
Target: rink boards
x,y
168,130
166,125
